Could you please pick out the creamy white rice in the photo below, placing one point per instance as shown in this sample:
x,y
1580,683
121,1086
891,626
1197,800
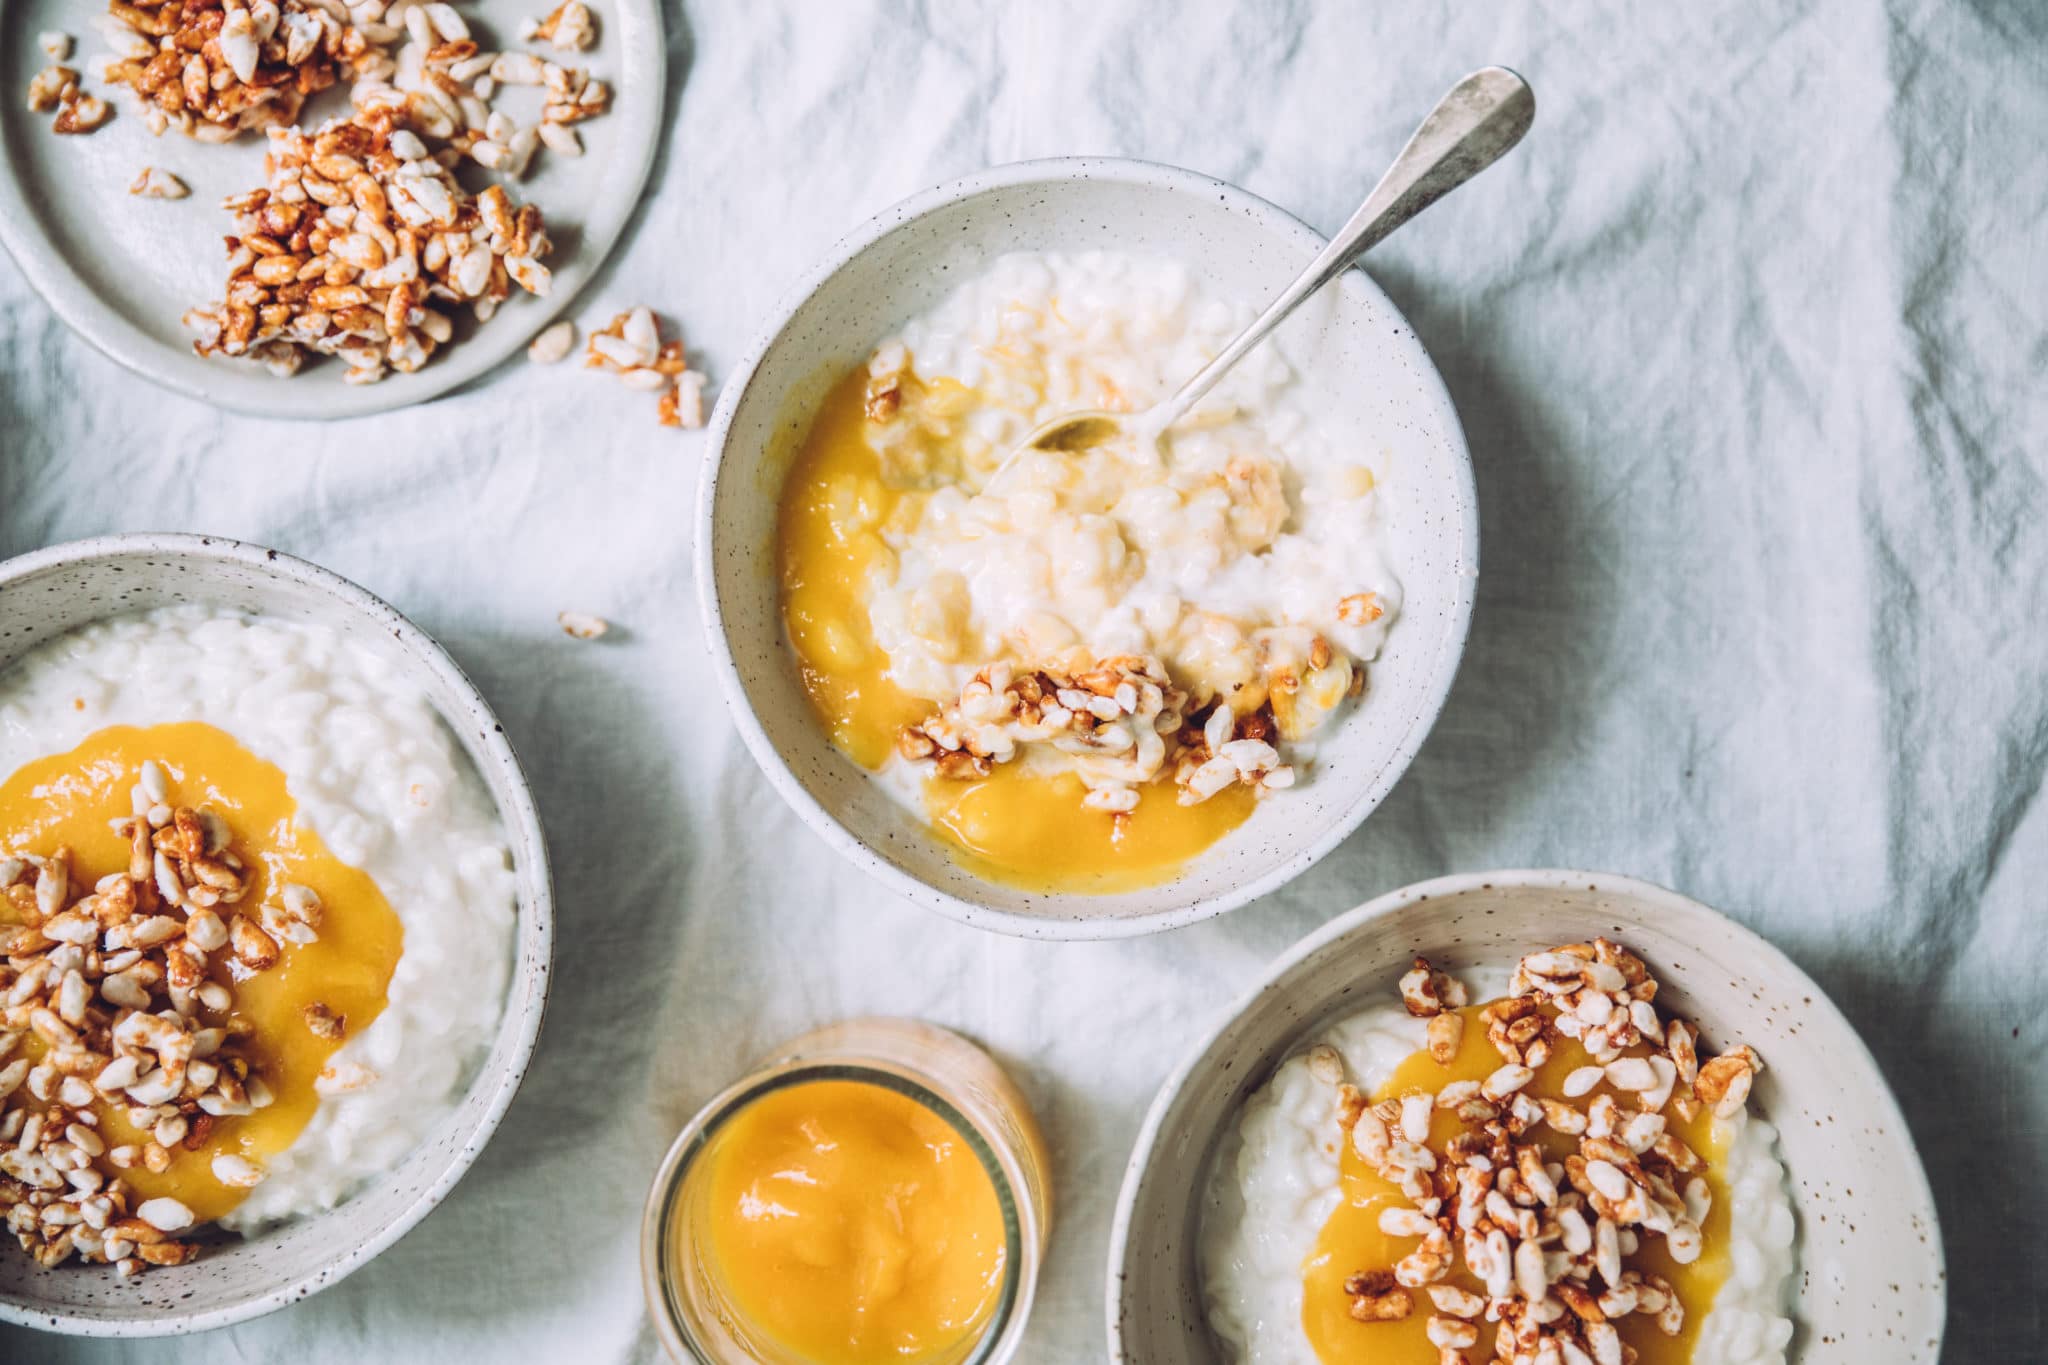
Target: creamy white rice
x,y
376,774
1253,523
1275,1183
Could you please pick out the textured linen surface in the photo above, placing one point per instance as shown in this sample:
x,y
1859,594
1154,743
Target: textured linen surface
x,y
1749,342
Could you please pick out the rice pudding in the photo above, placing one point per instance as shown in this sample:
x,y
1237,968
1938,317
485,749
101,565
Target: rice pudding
x,y
1556,1165
1082,669
295,913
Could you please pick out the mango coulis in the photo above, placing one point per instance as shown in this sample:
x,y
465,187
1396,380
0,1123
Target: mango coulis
x,y
70,799
847,1224
1351,1240
1034,831
1010,827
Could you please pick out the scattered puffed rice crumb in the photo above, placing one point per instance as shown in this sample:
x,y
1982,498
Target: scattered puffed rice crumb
x,y
553,343
683,405
157,183
56,46
630,346
583,626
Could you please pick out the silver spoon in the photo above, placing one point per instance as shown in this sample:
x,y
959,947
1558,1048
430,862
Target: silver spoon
x,y
1471,127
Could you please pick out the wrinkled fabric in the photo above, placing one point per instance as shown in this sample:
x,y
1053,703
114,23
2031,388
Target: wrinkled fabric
x,y
1749,342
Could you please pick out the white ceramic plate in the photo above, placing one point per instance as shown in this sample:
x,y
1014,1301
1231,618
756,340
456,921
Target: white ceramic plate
x,y
122,270
1870,1284
1352,349
49,592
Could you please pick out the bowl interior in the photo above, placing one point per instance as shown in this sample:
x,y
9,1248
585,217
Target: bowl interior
x,y
1870,1283
1353,351
245,1276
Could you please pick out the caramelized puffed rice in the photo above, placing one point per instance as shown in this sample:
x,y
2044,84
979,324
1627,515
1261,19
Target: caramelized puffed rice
x,y
47,87
1548,1240
215,68
114,978
570,27
363,272
1123,721
323,1022
360,246
631,347
154,182
56,87
1361,608
553,343
1375,1297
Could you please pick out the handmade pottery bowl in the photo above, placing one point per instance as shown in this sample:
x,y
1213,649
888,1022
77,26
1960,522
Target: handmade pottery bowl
x,y
1350,341
49,592
1870,1282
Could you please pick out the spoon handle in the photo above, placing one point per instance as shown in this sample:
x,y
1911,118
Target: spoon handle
x,y
1471,127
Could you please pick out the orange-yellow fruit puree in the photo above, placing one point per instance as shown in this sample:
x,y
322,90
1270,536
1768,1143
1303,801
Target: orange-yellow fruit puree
x,y
70,799
1024,830
1351,1241
849,1224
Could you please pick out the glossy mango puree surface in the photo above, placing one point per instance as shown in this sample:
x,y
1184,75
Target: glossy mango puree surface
x,y
848,1224
1020,829
1351,1240
70,800
1034,831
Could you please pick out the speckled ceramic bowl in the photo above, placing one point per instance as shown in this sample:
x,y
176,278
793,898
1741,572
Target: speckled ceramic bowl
x,y
1349,341
46,593
1870,1281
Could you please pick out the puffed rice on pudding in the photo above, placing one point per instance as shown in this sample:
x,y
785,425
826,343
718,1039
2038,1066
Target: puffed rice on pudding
x,y
1184,621
256,916
1534,1165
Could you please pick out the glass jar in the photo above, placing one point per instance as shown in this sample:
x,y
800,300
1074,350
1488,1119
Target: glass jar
x,y
939,1070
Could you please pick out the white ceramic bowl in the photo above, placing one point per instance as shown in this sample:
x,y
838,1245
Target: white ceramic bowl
x,y
43,595
1870,1279
1351,341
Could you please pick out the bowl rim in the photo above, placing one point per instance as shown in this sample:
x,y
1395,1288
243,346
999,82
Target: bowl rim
x,y
522,830
1450,650
1671,907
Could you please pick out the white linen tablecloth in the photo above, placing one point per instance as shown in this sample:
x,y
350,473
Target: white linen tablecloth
x,y
1750,342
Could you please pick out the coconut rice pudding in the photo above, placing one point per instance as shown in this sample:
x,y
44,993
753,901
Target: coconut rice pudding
x,y
257,922
1081,669
1553,1177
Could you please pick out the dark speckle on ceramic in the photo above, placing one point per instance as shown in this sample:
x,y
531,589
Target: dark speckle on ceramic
x,y
1869,1249
1351,342
86,581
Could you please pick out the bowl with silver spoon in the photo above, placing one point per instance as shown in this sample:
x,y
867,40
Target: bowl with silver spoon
x,y
1347,351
